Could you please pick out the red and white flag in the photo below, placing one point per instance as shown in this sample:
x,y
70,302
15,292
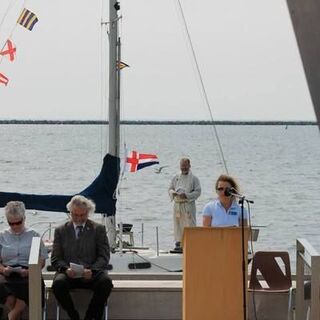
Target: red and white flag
x,y
136,161
3,79
9,50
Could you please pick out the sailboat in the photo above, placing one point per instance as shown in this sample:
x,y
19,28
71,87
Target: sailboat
x,y
103,190
109,175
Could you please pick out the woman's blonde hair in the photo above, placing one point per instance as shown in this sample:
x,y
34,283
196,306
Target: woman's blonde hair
x,y
228,179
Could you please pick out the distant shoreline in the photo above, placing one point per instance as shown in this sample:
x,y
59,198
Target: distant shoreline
x,y
153,122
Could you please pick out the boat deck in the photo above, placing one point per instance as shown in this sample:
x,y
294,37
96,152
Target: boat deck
x,y
159,296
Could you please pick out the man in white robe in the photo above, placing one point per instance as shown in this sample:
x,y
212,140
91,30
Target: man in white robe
x,y
184,189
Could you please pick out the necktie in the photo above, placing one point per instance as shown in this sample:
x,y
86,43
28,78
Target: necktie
x,y
79,230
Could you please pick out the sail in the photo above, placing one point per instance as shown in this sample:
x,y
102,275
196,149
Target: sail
x,y
101,191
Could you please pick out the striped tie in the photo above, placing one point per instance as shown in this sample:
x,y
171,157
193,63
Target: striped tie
x,y
79,230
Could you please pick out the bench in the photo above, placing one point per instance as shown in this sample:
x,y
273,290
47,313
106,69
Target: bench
x,y
130,299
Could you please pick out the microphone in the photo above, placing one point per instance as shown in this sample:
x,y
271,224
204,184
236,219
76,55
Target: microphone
x,y
231,192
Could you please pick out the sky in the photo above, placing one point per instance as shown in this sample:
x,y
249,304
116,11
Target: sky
x,y
246,51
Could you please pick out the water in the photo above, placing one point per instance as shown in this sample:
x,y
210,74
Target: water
x,y
276,167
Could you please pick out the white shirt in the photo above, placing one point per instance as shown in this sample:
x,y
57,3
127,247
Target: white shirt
x,y
77,230
222,217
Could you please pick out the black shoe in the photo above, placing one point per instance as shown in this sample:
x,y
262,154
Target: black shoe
x,y
74,315
91,318
176,250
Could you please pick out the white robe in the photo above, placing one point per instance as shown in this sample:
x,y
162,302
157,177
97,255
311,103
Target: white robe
x,y
184,210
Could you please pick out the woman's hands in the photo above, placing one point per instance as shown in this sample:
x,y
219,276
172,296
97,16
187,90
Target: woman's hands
x,y
24,273
6,271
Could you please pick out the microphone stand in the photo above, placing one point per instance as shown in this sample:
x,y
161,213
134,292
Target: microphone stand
x,y
242,199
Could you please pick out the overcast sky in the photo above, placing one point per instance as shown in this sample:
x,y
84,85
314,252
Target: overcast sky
x,y
246,51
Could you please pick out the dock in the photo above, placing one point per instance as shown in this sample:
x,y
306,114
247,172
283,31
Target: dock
x,y
159,296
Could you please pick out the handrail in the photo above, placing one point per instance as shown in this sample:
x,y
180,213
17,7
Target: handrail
x,y
308,247
308,257
35,280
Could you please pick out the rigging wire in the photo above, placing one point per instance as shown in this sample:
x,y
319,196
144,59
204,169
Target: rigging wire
x,y
122,127
122,102
10,6
204,92
122,131
4,16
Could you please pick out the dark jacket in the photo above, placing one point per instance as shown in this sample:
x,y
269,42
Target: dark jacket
x,y
91,249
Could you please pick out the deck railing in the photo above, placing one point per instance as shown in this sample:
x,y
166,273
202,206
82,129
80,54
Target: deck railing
x,y
35,304
307,259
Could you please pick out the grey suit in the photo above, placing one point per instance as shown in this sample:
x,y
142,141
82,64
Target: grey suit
x,y
90,249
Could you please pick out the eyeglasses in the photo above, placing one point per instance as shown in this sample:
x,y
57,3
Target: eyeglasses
x,y
15,223
221,189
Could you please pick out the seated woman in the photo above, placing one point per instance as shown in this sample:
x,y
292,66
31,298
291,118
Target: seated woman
x,y
15,244
224,211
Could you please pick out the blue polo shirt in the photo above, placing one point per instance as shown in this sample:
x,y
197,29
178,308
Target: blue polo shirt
x,y
221,217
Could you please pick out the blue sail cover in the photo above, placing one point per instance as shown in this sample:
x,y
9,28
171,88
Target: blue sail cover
x,y
101,191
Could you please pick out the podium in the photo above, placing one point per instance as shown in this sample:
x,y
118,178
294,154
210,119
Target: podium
x,y
212,273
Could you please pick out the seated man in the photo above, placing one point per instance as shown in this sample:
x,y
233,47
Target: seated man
x,y
83,242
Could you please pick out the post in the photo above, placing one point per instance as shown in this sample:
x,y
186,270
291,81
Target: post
x,y
299,281
142,231
50,230
308,257
35,295
120,238
157,240
315,287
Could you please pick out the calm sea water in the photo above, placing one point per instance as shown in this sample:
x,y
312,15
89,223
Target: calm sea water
x,y
277,167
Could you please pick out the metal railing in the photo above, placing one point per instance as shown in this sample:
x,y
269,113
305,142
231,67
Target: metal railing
x,y
307,258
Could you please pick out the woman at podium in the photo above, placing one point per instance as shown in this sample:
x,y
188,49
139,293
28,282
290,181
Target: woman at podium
x,y
225,210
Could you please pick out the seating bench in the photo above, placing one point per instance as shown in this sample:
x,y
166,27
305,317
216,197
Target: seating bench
x,y
131,299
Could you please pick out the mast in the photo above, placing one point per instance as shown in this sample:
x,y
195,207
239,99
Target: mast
x,y
114,103
114,90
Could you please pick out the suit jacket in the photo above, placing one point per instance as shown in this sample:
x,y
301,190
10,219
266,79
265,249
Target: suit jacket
x,y
91,249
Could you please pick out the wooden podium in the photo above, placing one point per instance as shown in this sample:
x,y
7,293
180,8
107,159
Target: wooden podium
x,y
212,273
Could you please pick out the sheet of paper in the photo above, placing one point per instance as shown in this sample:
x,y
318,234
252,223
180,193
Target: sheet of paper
x,y
180,191
77,268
